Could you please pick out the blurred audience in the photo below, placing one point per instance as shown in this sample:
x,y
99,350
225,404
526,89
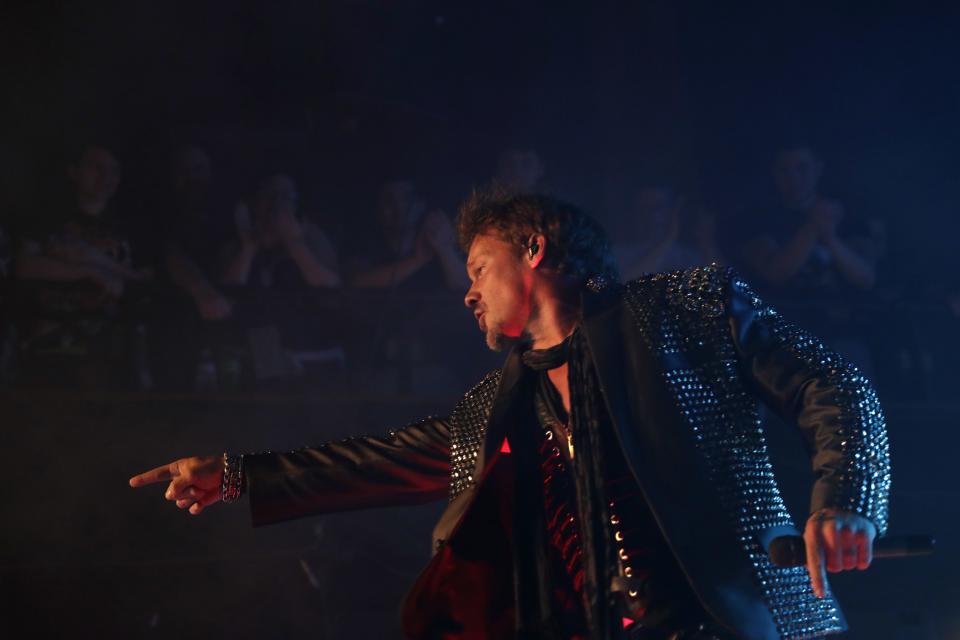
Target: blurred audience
x,y
196,229
666,233
808,242
275,246
412,246
239,306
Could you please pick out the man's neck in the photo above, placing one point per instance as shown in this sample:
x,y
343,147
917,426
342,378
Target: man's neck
x,y
556,317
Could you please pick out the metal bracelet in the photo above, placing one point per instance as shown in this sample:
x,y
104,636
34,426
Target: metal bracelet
x,y
231,487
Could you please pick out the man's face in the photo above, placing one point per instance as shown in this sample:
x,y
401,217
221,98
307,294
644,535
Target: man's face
x,y
500,290
96,175
797,173
193,168
277,196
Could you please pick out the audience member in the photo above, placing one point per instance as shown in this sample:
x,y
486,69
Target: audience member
x,y
75,271
197,231
666,234
278,257
807,243
276,247
414,247
81,239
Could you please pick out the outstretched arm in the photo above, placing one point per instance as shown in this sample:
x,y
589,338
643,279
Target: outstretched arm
x,y
837,411
410,465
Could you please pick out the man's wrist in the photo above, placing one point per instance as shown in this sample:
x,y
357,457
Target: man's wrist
x,y
233,482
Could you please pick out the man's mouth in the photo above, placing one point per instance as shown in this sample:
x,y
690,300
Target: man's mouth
x,y
480,321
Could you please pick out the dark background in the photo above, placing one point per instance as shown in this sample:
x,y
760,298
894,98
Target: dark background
x,y
346,94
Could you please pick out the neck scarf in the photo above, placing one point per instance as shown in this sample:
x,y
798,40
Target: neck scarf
x,y
587,416
544,359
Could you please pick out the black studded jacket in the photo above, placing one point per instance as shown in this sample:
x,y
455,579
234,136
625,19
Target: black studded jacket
x,y
684,359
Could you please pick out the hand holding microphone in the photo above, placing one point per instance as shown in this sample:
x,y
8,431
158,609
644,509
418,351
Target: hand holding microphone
x,y
840,541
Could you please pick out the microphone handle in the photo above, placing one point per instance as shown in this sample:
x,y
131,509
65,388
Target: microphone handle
x,y
790,551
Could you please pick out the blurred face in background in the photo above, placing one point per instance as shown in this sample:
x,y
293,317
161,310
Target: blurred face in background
x,y
96,176
277,196
400,212
797,174
520,169
192,170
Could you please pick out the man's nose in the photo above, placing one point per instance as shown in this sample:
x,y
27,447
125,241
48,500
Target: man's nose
x,y
471,299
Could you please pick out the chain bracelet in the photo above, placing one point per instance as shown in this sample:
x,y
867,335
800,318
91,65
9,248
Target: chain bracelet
x,y
231,487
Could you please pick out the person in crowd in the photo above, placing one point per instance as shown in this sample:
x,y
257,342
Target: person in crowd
x,y
82,240
273,268
78,287
196,233
276,247
808,243
415,247
666,234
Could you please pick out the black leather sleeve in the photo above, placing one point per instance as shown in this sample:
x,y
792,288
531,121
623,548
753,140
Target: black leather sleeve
x,y
832,403
410,465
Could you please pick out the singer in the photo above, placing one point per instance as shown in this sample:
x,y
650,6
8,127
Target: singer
x,y
611,480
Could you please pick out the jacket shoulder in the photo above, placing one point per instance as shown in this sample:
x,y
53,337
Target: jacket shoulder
x,y
701,290
468,425
479,395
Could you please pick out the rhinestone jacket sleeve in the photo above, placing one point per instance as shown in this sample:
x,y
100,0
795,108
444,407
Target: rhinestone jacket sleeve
x,y
410,465
832,403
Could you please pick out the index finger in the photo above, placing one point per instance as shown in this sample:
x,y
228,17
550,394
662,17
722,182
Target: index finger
x,y
160,474
814,547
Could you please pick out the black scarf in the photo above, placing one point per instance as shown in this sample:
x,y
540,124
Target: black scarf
x,y
543,359
587,417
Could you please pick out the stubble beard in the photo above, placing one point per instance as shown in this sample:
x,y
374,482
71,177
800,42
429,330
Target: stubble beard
x,y
498,341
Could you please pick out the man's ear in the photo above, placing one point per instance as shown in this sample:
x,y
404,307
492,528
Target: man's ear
x,y
536,249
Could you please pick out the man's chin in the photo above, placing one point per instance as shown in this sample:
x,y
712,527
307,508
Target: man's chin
x,y
497,341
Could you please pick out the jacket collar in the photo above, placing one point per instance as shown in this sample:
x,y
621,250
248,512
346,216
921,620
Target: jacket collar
x,y
516,380
515,385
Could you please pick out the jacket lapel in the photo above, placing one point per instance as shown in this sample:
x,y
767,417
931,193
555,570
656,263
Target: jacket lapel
x,y
508,404
660,449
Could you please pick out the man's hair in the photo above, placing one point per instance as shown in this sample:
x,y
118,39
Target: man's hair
x,y
577,246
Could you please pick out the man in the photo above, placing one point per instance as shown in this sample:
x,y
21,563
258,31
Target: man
x,y
612,479
82,242
276,247
666,233
415,248
808,243
195,226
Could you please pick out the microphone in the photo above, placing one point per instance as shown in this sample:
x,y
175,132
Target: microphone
x,y
790,551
